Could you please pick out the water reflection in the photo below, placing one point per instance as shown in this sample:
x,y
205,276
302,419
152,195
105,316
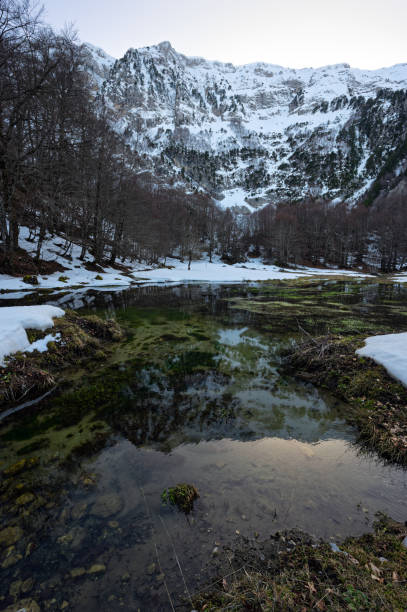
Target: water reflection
x,y
194,395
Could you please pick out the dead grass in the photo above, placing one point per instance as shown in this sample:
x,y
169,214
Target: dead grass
x,y
370,573
82,339
377,404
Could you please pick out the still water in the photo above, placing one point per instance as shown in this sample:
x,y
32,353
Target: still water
x,y
195,394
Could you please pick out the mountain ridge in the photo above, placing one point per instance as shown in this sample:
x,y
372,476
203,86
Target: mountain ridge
x,y
254,133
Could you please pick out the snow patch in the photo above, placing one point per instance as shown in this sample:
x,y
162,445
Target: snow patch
x,y
390,351
14,320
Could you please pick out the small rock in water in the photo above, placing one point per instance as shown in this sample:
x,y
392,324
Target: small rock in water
x,y
11,559
27,585
24,499
79,510
10,535
97,568
28,605
15,588
106,505
76,572
151,569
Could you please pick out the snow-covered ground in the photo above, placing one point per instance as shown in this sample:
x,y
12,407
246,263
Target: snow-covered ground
x,y
175,272
76,273
219,272
390,351
400,278
14,320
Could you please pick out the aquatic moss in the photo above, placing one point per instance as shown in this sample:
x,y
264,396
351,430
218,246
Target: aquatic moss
x,y
182,495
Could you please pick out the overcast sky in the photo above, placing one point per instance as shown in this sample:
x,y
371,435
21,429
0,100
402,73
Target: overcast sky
x,y
293,33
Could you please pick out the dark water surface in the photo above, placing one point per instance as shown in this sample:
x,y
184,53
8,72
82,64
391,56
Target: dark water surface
x,y
193,395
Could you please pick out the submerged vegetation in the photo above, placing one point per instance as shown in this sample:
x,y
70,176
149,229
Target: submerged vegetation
x,y
77,484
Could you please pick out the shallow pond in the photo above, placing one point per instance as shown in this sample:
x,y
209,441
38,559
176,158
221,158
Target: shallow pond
x,y
193,395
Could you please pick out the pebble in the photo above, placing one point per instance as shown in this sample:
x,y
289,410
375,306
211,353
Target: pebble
x,y
28,605
76,572
24,499
79,510
11,559
151,569
107,505
10,535
15,588
97,568
27,585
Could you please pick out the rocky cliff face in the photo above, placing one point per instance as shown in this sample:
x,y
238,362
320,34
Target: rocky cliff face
x,y
257,133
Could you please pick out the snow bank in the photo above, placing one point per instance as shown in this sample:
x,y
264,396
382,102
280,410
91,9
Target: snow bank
x,y
390,351
15,320
219,272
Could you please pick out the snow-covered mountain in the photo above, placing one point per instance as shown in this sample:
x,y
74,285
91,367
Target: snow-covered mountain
x,y
260,132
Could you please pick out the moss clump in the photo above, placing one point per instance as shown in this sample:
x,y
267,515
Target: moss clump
x,y
376,402
182,496
30,279
368,573
98,277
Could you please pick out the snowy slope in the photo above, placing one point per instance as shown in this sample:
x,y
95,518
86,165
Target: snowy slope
x,y
255,131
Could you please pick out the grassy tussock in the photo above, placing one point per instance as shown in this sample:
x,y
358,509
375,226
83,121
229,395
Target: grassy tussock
x,y
377,403
81,339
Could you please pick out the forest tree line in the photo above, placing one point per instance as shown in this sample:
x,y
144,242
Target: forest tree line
x,y
64,170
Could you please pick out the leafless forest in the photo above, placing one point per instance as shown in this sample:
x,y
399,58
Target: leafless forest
x,y
66,171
